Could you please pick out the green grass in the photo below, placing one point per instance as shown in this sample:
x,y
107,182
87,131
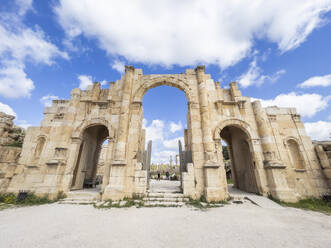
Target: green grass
x,y
313,204
10,200
229,181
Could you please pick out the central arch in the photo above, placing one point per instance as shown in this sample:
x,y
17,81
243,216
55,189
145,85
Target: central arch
x,y
181,85
172,81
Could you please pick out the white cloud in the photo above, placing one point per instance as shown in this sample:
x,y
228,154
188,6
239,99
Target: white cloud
x,y
144,123
174,127
19,44
155,130
118,66
320,130
103,82
307,105
24,6
23,123
322,81
189,32
14,82
173,143
7,109
254,76
47,100
163,145
84,81
164,156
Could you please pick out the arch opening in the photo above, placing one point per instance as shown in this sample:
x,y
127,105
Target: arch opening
x,y
87,172
166,122
240,164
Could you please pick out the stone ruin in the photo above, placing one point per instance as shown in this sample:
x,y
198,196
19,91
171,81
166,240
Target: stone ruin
x,y
9,133
11,138
270,152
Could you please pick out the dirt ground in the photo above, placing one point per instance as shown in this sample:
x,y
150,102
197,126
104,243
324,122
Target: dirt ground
x,y
243,225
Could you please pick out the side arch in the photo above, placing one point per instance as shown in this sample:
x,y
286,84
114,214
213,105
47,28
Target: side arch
x,y
243,150
78,132
244,126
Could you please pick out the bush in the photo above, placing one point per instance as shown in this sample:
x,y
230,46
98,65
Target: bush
x,y
15,144
10,199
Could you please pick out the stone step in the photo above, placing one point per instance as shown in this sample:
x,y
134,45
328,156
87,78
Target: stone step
x,y
83,195
79,199
163,204
77,202
166,199
165,195
164,191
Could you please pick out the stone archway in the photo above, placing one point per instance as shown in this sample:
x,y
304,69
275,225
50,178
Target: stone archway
x,y
238,136
139,93
164,80
84,172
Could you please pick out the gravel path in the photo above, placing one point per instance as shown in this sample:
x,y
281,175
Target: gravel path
x,y
244,225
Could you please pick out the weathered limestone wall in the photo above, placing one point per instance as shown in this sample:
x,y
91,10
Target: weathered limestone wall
x,y
8,163
323,152
283,160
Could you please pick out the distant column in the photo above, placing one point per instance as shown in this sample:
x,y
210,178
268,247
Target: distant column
x,y
149,155
181,157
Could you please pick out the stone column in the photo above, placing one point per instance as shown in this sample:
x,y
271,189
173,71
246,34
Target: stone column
x,y
274,166
213,172
122,131
149,155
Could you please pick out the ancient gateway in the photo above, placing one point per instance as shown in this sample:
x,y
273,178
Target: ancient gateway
x,y
269,148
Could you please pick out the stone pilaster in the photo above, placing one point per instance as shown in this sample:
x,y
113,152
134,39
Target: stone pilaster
x,y
122,131
213,172
207,137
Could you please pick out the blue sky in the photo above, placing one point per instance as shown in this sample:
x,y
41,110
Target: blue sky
x,y
278,51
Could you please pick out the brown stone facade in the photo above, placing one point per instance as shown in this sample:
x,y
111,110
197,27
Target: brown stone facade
x,y
269,148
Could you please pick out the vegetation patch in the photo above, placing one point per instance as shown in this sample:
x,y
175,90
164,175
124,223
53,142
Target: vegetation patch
x,y
313,204
202,204
26,199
